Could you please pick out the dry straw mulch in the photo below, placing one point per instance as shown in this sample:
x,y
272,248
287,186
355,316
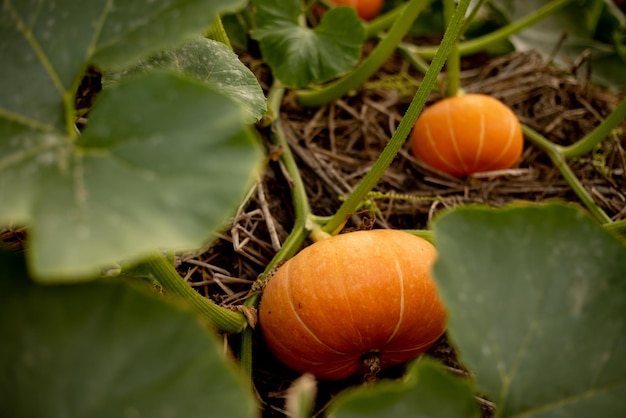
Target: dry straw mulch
x,y
337,144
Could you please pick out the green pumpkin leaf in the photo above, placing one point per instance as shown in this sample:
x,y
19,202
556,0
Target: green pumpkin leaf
x,y
537,302
162,161
126,31
160,177
427,391
46,45
107,349
208,61
587,26
299,55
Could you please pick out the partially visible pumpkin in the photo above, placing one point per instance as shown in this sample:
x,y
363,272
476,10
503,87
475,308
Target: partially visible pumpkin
x,y
366,9
352,297
467,134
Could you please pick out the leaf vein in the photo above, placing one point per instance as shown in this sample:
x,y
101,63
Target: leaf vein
x,y
570,399
99,26
39,52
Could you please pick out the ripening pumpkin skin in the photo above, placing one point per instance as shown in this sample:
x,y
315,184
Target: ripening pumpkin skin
x,y
351,295
365,9
468,134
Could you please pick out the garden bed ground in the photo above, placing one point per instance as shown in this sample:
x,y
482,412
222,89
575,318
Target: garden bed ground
x,y
335,145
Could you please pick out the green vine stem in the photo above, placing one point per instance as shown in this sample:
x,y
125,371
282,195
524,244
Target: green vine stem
x,y
397,140
481,43
382,22
245,353
453,64
414,59
380,54
299,197
419,63
558,159
299,232
586,144
166,275
422,233
472,15
617,226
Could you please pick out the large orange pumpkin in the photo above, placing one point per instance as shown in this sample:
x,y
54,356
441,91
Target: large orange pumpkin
x,y
350,297
468,134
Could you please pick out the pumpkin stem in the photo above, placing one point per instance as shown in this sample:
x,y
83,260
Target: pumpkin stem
x,y
316,233
371,361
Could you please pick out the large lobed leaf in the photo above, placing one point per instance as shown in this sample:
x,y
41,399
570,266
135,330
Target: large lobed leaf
x,y
45,44
299,55
162,161
211,62
160,177
537,301
102,350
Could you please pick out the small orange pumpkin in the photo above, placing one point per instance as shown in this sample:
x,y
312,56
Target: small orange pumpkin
x,y
366,9
468,134
350,297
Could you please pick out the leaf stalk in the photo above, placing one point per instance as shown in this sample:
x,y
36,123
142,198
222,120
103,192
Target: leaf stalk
x,y
483,42
453,64
558,159
586,144
302,210
382,22
166,275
